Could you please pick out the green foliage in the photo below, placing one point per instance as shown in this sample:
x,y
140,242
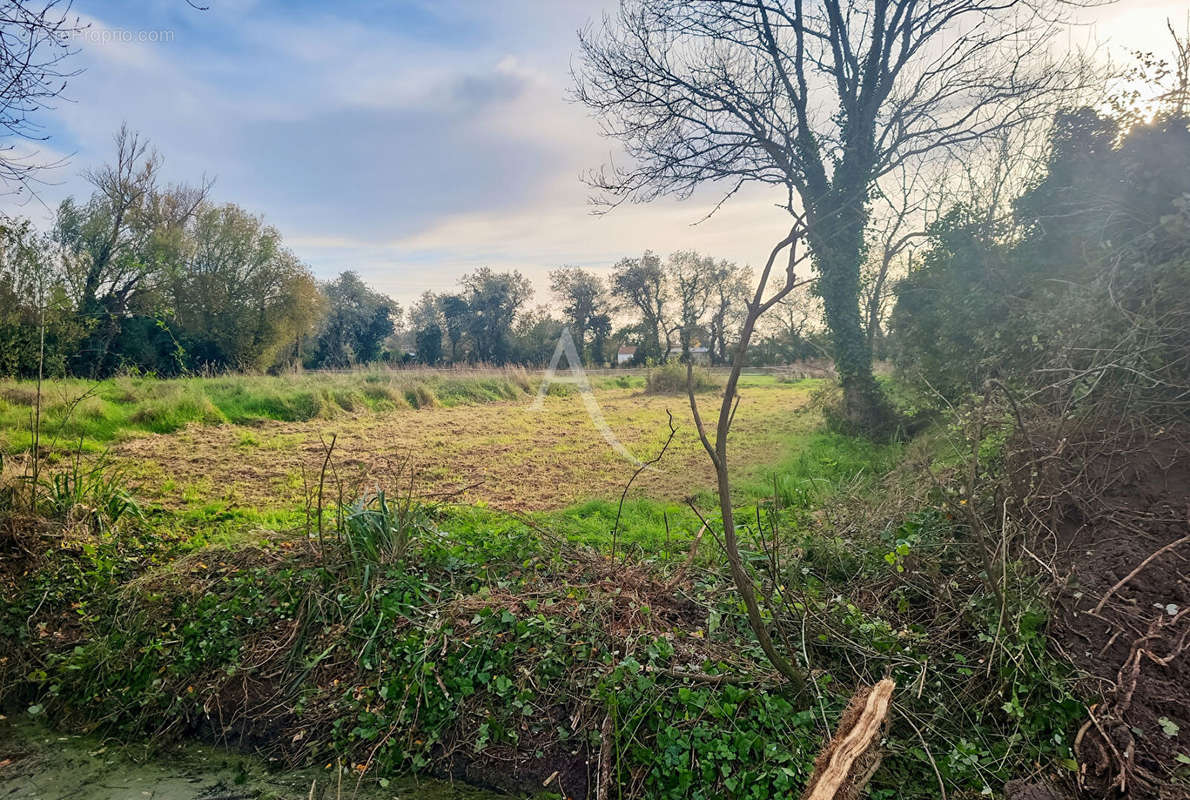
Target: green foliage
x,y
94,494
33,299
378,530
471,634
705,740
428,343
1046,300
239,297
821,464
355,325
493,300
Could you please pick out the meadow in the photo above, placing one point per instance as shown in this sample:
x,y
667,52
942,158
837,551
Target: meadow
x,y
259,442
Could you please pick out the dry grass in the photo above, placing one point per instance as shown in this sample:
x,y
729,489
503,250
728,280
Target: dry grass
x,y
503,454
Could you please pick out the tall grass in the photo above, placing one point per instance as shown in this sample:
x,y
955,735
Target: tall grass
x,y
93,413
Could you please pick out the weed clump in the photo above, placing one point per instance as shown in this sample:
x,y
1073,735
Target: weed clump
x,y
419,395
671,379
170,414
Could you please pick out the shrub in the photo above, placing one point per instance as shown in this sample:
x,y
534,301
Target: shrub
x,y
671,379
170,414
419,395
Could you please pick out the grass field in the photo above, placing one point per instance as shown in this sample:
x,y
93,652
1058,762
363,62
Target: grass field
x,y
259,443
504,454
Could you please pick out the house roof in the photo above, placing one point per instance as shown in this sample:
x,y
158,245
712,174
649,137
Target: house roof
x,y
627,349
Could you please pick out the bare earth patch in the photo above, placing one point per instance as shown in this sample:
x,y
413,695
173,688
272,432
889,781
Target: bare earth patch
x,y
504,454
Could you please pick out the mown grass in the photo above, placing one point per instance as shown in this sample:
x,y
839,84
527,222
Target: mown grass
x,y
513,455
99,412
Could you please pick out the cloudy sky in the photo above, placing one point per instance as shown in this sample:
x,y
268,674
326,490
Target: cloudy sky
x,y
411,140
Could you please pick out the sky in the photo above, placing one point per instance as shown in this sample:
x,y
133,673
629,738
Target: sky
x,y
410,141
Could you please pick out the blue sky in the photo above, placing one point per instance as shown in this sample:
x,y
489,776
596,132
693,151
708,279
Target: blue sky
x,y
411,141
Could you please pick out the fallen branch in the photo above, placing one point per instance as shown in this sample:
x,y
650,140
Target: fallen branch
x,y
605,759
844,768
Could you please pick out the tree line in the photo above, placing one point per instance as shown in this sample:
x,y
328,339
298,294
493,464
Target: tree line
x,y
684,306
157,278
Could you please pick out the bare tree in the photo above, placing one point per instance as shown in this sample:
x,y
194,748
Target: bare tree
x,y
717,447
901,222
820,98
35,47
730,288
691,278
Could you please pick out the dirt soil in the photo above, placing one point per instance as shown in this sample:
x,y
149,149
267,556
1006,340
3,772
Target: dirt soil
x,y
1121,522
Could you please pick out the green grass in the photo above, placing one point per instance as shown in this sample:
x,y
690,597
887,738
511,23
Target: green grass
x,y
96,413
647,527
492,617
820,464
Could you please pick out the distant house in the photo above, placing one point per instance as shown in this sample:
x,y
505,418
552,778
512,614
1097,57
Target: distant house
x,y
698,354
625,354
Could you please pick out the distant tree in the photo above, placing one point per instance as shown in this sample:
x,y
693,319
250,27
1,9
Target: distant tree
x,y
425,316
730,289
239,297
819,98
493,300
692,278
33,299
584,302
600,328
536,336
428,344
454,310
639,284
356,324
